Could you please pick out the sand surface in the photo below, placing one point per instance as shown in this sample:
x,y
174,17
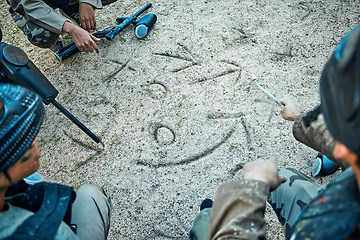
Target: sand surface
x,y
179,112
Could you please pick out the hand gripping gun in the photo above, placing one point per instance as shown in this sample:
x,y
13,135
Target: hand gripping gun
x,y
142,28
15,67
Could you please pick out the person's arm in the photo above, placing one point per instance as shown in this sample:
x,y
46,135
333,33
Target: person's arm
x,y
38,12
239,206
311,133
317,136
83,40
87,13
97,4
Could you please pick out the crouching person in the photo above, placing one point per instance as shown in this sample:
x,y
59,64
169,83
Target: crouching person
x,y
44,210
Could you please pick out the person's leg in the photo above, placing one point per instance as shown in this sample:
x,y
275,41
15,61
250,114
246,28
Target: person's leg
x,y
37,35
91,212
291,197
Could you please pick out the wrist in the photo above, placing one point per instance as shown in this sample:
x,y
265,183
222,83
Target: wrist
x,y
68,27
297,115
256,178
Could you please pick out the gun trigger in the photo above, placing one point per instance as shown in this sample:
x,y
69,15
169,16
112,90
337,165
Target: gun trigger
x,y
121,19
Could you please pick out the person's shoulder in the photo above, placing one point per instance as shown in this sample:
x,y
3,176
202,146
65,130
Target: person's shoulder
x,y
14,216
11,219
16,212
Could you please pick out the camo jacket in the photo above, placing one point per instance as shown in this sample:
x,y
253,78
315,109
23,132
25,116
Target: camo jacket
x,y
239,206
317,137
38,12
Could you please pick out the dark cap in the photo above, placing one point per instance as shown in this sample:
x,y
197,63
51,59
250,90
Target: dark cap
x,y
340,92
21,115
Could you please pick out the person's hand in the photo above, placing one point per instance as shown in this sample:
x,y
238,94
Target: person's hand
x,y
83,40
87,16
291,110
265,171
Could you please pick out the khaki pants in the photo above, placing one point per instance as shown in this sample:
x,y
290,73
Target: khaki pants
x,y
91,212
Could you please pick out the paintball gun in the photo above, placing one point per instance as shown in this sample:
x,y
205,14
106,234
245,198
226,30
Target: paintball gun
x,y
142,28
15,67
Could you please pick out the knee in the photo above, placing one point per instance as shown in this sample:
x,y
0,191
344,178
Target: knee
x,y
37,35
43,42
90,190
94,192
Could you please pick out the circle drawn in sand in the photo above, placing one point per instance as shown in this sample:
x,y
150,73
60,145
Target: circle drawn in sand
x,y
162,134
157,90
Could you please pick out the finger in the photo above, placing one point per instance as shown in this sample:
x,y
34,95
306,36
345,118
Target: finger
x,y
87,47
88,25
273,160
83,23
95,38
93,23
94,46
282,179
90,49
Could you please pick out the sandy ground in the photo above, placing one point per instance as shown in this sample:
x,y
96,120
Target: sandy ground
x,y
178,112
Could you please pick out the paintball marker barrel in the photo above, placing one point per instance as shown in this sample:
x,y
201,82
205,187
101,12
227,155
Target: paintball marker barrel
x,y
77,122
126,22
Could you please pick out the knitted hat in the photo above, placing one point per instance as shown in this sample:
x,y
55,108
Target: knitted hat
x,y
21,115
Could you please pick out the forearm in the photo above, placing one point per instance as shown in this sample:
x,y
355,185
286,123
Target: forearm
x,y
39,13
95,3
238,210
316,136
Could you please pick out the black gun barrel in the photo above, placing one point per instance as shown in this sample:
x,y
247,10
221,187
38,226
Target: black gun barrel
x,y
114,32
66,52
74,120
71,49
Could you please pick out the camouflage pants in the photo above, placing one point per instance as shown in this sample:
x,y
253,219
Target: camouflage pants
x,y
291,197
37,35
287,201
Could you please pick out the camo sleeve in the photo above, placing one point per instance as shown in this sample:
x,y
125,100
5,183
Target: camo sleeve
x,y
238,210
316,136
38,12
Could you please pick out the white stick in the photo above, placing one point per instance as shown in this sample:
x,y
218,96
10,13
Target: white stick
x,y
269,94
